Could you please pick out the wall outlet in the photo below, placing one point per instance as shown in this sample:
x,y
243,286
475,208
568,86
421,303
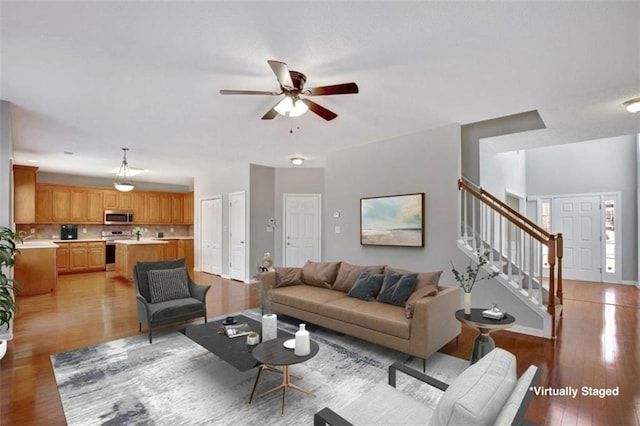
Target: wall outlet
x,y
84,230
171,230
32,230
336,229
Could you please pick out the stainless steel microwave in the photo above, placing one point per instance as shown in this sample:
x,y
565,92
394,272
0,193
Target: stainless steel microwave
x,y
114,217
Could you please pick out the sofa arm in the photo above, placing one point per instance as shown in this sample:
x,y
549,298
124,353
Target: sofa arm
x,y
434,322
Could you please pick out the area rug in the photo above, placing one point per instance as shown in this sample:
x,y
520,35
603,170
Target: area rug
x,y
175,381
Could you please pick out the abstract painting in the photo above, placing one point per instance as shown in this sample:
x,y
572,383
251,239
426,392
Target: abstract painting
x,y
396,220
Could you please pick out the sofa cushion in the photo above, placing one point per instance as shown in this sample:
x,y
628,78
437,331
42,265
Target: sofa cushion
x,y
426,285
348,275
478,394
396,288
288,276
168,284
367,286
320,274
376,316
306,297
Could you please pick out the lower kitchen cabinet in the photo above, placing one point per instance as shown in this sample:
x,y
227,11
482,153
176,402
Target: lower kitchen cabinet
x,y
78,257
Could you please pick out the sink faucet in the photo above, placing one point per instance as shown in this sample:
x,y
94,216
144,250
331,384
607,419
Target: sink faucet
x,y
23,236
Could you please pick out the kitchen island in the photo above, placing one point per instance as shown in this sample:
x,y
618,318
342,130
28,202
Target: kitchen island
x,y
35,267
130,252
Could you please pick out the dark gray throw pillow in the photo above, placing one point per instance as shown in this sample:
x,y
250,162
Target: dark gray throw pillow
x,y
367,286
168,284
396,288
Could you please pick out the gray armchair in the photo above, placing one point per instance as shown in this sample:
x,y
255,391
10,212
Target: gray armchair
x,y
166,294
486,393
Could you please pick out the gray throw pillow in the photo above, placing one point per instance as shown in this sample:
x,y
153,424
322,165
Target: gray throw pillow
x,y
367,286
396,288
168,284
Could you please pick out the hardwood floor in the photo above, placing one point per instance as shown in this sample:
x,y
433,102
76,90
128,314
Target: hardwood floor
x,y
598,346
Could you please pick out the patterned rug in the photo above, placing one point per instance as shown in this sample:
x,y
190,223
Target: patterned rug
x,y
174,381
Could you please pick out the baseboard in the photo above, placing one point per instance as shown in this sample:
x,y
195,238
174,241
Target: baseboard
x,y
225,276
633,283
528,330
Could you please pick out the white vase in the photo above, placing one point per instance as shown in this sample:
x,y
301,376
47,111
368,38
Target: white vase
x,y
3,348
467,303
303,345
269,327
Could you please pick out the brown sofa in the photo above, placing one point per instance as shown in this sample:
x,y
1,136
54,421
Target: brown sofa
x,y
319,294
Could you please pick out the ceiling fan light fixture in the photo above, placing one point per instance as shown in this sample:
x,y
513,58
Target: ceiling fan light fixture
x,y
297,161
284,106
632,105
299,108
123,181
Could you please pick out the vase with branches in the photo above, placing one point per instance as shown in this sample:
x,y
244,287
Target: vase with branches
x,y
469,278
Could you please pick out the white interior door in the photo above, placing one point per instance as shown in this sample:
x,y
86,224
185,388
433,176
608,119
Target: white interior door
x,y
302,214
211,235
578,218
237,236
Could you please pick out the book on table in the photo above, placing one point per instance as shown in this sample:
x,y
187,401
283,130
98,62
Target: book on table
x,y
237,330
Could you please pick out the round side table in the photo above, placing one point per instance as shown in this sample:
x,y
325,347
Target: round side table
x,y
483,343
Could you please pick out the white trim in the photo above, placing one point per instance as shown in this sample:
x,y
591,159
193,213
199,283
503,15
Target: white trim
x,y
199,229
284,223
537,332
629,282
246,232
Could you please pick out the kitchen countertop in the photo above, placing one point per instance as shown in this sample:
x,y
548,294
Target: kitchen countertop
x,y
173,238
36,244
141,241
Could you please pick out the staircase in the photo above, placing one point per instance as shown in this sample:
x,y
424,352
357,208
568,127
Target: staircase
x,y
528,258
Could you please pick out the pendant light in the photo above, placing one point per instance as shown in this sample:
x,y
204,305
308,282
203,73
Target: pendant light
x,y
123,178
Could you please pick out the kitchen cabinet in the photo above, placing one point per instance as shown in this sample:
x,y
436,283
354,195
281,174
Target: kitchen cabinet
x,y
60,204
77,205
168,251
24,194
177,208
80,256
165,208
95,208
140,208
187,213
185,250
130,252
35,270
62,258
117,200
153,207
43,204
96,256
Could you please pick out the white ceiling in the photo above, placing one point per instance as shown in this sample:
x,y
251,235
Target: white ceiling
x,y
92,77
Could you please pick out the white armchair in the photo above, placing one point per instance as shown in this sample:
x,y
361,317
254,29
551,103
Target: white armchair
x,y
486,393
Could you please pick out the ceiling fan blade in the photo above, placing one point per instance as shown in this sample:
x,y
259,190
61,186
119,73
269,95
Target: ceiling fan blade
x,y
281,70
336,89
320,110
247,92
271,114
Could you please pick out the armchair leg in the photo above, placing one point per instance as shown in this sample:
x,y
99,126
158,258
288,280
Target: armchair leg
x,y
139,327
150,340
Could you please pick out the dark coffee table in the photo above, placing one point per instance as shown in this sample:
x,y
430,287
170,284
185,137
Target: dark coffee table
x,y
273,353
234,351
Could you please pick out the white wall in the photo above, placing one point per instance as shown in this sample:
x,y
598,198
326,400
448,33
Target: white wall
x,y
6,154
426,162
502,171
222,181
603,165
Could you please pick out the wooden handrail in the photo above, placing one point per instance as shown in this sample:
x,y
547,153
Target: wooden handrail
x,y
517,214
515,219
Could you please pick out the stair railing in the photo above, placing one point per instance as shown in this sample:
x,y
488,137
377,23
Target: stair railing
x,y
513,243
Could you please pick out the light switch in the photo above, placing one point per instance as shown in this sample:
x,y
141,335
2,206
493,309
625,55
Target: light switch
x,y
336,229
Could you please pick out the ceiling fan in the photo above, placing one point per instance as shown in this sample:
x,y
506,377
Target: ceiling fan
x,y
292,86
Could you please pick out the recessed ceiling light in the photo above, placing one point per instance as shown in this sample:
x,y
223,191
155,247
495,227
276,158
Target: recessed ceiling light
x,y
32,161
297,161
632,105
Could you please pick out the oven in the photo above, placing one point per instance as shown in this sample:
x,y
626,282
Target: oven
x,y
110,238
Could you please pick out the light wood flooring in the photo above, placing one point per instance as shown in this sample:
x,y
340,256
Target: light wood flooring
x,y
598,346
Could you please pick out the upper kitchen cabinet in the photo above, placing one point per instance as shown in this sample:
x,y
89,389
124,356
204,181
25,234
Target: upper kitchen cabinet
x,y
24,189
68,204
140,208
116,200
187,214
177,208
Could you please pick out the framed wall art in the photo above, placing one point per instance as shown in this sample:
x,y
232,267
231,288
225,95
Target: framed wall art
x,y
395,220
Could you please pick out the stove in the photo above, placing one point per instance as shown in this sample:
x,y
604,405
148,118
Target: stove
x,y
110,238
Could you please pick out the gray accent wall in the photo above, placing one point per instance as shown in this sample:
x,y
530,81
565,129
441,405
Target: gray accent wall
x,y
603,165
6,154
426,162
293,181
261,208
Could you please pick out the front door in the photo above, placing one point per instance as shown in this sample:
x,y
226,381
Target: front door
x,y
578,218
237,236
301,229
